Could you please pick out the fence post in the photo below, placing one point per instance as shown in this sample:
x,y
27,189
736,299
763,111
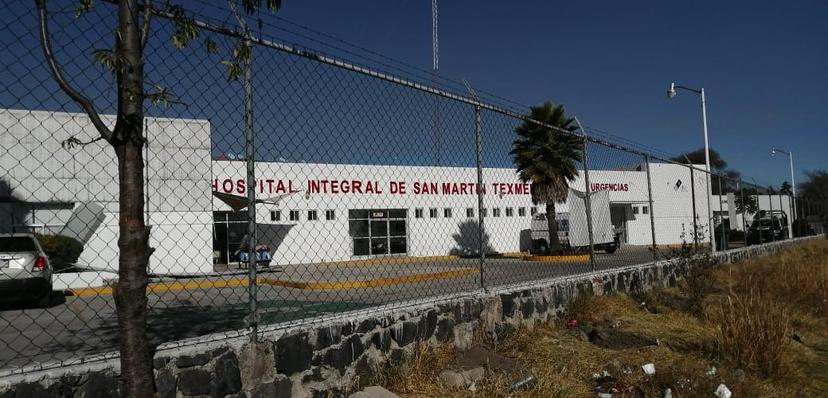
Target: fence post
x,y
588,203
758,209
805,211
652,213
721,217
789,222
587,199
250,154
770,207
744,210
695,213
478,138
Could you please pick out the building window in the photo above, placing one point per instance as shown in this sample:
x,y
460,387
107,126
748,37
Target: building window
x,y
533,211
496,212
275,215
447,213
645,210
378,231
510,212
432,213
294,215
635,209
521,212
469,212
330,215
418,213
311,215
484,212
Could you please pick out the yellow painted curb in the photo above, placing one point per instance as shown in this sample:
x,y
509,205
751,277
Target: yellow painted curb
x,y
370,282
390,260
515,254
567,258
203,284
91,291
159,287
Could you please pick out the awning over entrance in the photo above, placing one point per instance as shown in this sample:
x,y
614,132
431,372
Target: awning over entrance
x,y
238,202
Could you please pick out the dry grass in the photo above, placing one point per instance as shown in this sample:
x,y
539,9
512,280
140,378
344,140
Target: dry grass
x,y
419,376
742,324
754,333
797,276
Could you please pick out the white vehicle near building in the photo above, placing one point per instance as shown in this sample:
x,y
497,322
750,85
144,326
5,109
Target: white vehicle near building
x,y
573,225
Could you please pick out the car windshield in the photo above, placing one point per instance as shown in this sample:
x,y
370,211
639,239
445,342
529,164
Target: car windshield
x,y
17,244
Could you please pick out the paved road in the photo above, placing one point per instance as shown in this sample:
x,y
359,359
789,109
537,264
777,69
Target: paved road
x,y
83,325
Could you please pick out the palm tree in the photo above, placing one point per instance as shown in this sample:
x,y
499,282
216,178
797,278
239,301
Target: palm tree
x,y
545,153
747,204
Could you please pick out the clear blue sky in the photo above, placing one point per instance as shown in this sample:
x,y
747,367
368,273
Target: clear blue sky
x,y
764,65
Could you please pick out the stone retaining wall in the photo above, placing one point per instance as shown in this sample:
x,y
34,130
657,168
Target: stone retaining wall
x,y
338,355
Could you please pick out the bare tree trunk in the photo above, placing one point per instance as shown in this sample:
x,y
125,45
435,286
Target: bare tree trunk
x,y
130,292
554,241
133,241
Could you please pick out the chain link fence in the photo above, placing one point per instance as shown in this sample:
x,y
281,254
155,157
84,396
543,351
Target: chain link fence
x,y
368,189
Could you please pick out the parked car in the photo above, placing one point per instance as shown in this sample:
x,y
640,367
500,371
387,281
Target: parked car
x,y
25,272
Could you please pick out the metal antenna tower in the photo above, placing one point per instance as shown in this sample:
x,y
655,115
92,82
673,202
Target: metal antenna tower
x,y
435,42
435,57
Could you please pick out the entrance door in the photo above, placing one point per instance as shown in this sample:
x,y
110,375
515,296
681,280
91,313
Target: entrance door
x,y
378,232
229,229
618,215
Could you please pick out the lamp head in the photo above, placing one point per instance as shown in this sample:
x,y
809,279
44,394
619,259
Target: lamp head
x,y
671,92
773,152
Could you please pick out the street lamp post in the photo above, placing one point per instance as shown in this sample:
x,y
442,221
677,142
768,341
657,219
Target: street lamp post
x,y
793,186
671,93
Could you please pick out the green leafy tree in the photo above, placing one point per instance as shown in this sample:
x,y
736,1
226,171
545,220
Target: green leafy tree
x,y
785,188
814,194
546,152
697,157
125,60
815,188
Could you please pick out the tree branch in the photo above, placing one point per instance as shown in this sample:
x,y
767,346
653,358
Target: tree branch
x,y
54,68
73,142
240,18
147,18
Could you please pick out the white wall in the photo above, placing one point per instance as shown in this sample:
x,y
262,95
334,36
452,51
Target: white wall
x,y
39,169
180,172
323,240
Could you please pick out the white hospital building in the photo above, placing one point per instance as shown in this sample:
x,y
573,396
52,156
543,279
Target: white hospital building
x,y
309,212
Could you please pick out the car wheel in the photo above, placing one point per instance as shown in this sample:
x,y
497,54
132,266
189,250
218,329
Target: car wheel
x,y
610,249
